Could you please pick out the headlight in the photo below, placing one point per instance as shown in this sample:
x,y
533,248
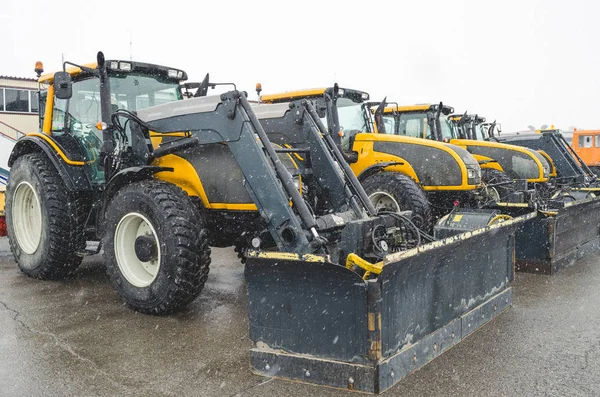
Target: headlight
x,y
472,173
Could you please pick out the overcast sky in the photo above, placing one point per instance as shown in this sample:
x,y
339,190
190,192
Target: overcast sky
x,y
520,62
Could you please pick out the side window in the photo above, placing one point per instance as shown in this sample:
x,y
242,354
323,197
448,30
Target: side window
x,y
58,115
413,125
79,114
585,141
597,140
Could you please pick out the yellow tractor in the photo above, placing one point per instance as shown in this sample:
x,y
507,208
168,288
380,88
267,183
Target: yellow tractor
x,y
519,175
500,163
398,172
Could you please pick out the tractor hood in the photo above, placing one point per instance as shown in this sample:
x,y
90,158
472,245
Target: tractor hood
x,y
517,162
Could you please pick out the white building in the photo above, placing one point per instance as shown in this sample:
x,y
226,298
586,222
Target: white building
x,y
18,106
18,114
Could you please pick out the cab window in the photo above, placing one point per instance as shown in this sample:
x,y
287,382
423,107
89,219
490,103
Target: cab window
x,y
414,125
585,141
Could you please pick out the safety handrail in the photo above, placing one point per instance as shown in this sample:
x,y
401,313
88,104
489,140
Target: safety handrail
x,y
19,132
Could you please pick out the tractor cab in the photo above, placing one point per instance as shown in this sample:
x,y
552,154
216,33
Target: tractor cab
x,y
420,121
72,112
469,126
350,118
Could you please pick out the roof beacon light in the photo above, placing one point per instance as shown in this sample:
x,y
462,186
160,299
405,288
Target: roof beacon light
x,y
39,68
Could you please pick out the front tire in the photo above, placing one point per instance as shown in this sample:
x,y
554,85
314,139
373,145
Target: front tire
x,y
391,191
155,247
491,176
44,228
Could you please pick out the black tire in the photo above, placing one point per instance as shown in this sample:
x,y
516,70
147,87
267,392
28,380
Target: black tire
x,y
490,176
405,191
61,236
183,257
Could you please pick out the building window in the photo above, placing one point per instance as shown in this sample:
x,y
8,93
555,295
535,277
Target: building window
x,y
16,100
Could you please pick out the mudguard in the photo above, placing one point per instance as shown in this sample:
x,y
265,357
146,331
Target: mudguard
x,y
74,176
316,322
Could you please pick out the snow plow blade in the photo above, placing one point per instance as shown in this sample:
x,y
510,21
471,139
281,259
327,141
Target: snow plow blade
x,y
555,240
316,322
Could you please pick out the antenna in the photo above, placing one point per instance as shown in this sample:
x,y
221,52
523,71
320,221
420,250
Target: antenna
x,y
130,46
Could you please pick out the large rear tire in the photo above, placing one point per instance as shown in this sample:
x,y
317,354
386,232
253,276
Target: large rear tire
x,y
391,191
44,225
155,247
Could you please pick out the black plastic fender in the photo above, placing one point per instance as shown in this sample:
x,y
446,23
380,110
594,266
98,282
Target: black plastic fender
x,y
74,176
375,168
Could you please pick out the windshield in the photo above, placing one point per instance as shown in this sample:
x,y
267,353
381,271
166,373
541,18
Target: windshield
x,y
135,92
352,118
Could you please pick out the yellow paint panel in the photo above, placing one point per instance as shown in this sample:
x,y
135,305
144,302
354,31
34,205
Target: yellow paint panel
x,y
2,200
472,146
553,172
291,95
457,218
48,114
289,256
406,109
73,71
57,149
363,145
185,176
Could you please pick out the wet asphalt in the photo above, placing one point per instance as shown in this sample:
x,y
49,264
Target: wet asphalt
x,y
76,338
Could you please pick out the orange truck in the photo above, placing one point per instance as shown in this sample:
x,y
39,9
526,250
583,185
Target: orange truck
x,y
586,144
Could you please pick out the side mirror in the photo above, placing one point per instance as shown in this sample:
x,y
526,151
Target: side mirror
x,y
63,86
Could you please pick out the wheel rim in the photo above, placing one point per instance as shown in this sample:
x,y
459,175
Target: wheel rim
x,y
27,218
494,194
138,273
383,201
